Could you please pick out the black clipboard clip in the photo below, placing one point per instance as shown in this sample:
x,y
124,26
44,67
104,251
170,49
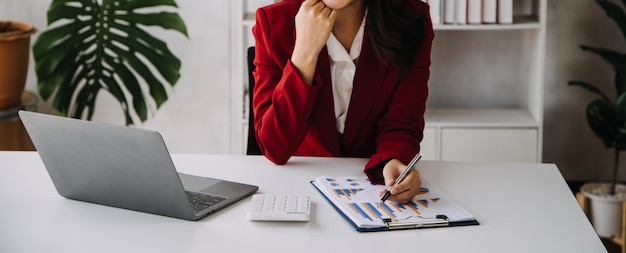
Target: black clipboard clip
x,y
438,221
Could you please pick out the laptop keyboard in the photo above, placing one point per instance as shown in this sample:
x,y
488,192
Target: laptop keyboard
x,y
201,201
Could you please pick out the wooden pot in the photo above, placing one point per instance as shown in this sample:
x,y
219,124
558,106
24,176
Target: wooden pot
x,y
14,57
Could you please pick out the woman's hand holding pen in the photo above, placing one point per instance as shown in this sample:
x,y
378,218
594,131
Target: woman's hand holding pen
x,y
314,23
407,189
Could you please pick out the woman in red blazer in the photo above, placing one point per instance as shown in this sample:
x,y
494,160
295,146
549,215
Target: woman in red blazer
x,y
294,107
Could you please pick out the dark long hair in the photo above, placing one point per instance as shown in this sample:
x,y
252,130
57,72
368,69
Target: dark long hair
x,y
396,33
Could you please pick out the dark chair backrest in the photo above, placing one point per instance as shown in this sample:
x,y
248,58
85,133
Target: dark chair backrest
x,y
253,146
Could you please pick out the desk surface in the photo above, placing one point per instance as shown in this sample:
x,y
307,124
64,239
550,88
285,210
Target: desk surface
x,y
521,208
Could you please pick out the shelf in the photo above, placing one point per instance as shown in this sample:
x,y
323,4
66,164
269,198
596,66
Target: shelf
x,y
521,23
13,135
527,23
248,19
487,27
469,117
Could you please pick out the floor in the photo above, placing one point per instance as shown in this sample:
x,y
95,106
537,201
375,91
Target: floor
x,y
611,247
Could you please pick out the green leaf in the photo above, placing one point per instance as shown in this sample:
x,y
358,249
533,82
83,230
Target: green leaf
x,y
620,108
115,89
154,54
49,53
158,92
132,85
67,88
617,60
93,45
616,13
601,119
87,96
149,3
165,20
589,87
61,10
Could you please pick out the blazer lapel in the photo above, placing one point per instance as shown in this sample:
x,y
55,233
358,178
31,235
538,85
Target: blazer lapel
x,y
325,111
369,78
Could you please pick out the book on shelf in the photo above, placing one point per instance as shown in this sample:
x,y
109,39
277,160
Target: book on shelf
x,y
490,10
449,11
358,201
461,11
474,11
505,11
436,11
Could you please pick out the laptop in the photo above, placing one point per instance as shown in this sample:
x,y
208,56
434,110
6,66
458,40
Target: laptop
x,y
124,167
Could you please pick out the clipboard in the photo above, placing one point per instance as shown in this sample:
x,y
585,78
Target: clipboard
x,y
356,200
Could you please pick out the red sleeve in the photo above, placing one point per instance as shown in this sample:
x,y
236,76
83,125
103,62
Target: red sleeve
x,y
282,101
402,127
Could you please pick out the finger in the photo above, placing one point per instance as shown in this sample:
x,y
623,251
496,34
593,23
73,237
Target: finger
x,y
326,11
403,186
410,182
409,194
319,6
402,198
382,193
332,15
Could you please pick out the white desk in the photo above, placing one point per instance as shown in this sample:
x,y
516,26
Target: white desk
x,y
521,208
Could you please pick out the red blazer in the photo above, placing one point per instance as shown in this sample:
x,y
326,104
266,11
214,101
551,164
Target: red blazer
x,y
384,119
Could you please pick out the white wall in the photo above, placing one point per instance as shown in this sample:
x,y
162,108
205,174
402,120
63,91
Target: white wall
x,y
196,118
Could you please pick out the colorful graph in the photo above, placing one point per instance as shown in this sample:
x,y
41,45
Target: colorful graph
x,y
346,192
422,191
355,207
388,209
426,202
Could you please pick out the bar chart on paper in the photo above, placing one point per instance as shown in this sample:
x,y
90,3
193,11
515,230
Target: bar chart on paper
x,y
359,199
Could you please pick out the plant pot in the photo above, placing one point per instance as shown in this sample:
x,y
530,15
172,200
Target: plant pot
x,y
605,211
14,57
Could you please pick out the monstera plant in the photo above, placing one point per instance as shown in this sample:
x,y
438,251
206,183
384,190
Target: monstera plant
x,y
104,45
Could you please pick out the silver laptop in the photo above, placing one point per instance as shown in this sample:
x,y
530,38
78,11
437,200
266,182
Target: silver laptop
x,y
124,167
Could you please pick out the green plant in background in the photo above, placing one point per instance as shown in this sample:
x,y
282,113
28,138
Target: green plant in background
x,y
98,45
607,119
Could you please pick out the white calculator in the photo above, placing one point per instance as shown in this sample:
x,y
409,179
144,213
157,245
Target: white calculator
x,y
269,207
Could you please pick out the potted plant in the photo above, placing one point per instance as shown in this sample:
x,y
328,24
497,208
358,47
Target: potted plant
x,y
93,46
607,119
14,57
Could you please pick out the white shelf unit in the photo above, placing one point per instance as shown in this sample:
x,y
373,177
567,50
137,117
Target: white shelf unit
x,y
486,87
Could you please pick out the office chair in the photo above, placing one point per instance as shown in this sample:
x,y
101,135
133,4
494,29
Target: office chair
x,y
253,146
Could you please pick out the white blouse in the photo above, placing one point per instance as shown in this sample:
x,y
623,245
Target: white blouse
x,y
342,70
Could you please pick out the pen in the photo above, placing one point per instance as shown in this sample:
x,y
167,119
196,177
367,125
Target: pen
x,y
401,177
